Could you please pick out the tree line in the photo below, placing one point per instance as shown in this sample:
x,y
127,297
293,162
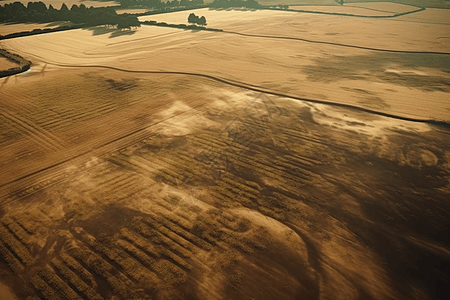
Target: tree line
x,y
38,12
235,3
158,4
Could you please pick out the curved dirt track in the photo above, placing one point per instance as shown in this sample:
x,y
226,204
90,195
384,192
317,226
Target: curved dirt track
x,y
265,91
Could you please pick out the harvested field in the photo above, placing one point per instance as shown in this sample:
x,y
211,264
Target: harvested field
x,y
418,3
160,163
391,7
360,9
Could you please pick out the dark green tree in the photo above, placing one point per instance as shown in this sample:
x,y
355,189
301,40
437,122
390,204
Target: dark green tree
x,y
202,21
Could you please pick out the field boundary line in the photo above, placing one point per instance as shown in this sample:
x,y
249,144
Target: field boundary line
x,y
259,89
335,44
393,15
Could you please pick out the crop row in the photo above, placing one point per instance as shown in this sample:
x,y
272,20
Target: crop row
x,y
209,225
76,281
225,194
140,227
168,233
184,233
255,163
106,184
100,267
92,261
175,258
167,176
296,171
267,171
8,132
28,223
16,247
179,221
155,265
72,116
132,267
18,231
148,247
238,189
300,161
47,292
10,259
69,110
250,186
169,205
185,166
139,241
147,260
81,271
230,221
169,272
57,283
139,234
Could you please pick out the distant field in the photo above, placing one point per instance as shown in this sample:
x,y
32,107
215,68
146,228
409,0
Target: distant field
x,y
424,3
381,6
160,163
293,2
362,9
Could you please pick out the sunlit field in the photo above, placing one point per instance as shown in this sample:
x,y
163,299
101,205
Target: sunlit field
x,y
290,156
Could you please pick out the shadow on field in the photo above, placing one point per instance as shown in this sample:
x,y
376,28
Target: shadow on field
x,y
121,32
421,71
58,23
115,32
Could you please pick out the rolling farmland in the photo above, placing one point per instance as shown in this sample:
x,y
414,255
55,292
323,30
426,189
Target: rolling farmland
x,y
167,164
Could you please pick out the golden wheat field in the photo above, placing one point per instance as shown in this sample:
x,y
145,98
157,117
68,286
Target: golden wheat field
x,y
160,163
359,9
